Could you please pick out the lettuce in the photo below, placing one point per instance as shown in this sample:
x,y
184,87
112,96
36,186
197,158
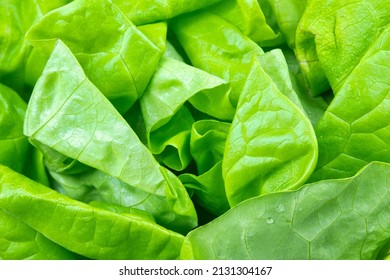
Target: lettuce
x,y
323,220
146,129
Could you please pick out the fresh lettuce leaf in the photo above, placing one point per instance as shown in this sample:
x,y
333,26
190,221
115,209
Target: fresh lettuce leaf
x,y
248,16
14,145
223,51
167,120
145,127
275,65
350,138
77,121
333,219
333,36
18,241
209,189
148,11
16,17
92,232
271,145
208,138
108,40
314,107
287,14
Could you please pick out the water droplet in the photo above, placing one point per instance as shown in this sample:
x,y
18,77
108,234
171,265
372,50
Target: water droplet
x,y
270,221
280,208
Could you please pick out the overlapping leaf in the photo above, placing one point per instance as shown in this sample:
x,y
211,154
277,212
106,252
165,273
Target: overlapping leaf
x,y
168,121
333,36
78,122
349,139
86,230
108,40
271,145
335,219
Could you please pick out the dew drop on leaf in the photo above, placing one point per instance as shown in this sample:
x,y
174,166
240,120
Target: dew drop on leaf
x,y
280,208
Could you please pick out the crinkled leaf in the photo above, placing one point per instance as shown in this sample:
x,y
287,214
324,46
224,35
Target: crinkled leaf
x,y
171,142
175,83
208,138
167,122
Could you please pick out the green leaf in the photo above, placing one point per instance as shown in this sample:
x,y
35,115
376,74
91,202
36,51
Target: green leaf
x,y
175,83
68,114
333,36
19,241
14,146
223,51
101,189
275,66
208,138
334,219
117,57
167,121
148,11
314,107
171,142
36,169
271,145
248,16
92,232
209,189
287,14
355,129
16,17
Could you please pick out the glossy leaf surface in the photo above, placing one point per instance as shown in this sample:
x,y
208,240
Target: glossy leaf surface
x,y
333,36
349,139
86,230
264,156
108,40
334,219
224,52
14,146
96,135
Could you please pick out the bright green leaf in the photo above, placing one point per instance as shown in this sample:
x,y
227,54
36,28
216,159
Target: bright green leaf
x,y
271,145
334,219
355,129
92,232
68,114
